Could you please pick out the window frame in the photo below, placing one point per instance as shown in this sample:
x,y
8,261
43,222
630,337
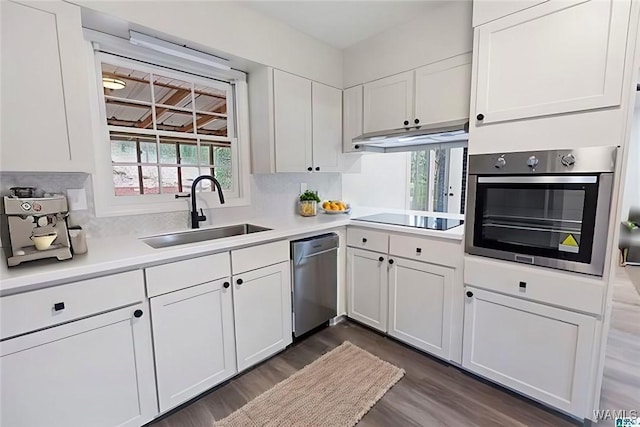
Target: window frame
x,y
106,202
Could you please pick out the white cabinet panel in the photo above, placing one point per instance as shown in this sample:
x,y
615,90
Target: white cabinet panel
x,y
44,78
352,104
92,372
194,343
541,351
488,10
368,287
525,69
388,102
443,90
262,308
165,278
420,305
293,122
327,127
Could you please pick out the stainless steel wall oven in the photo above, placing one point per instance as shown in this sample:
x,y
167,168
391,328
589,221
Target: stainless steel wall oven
x,y
548,208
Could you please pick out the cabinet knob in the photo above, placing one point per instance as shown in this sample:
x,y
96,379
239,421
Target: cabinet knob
x,y
309,168
239,282
480,116
418,250
58,306
416,121
406,122
390,261
317,168
523,285
469,294
226,285
357,147
138,313
381,259
364,240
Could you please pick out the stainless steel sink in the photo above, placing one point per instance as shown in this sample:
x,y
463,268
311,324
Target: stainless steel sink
x,y
185,237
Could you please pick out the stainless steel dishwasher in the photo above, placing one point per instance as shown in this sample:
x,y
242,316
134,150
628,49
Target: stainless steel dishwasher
x,y
315,281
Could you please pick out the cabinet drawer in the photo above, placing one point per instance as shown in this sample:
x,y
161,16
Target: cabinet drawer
x,y
436,251
30,311
171,277
368,239
551,287
254,257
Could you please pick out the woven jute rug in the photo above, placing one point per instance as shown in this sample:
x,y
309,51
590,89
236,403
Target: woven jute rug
x,y
337,389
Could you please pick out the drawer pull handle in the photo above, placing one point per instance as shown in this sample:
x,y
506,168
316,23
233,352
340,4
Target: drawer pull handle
x,y
226,285
390,261
138,313
58,306
523,285
419,250
469,294
239,282
381,259
364,240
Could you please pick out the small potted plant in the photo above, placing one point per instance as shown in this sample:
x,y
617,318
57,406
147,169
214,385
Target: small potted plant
x,y
308,205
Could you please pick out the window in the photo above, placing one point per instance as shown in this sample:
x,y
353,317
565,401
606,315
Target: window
x,y
438,179
166,129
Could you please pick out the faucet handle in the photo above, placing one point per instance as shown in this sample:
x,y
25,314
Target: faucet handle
x,y
202,217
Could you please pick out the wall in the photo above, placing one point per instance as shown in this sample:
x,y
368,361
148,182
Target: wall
x,y
224,26
381,183
631,194
270,195
441,34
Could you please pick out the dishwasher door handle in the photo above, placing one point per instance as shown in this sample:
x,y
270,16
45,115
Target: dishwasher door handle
x,y
326,251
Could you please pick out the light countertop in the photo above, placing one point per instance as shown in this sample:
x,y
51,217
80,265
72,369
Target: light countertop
x,y
115,254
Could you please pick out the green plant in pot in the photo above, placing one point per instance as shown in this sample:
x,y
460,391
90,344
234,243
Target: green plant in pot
x,y
308,205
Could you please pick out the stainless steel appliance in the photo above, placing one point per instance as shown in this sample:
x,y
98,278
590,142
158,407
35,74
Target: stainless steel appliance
x,y
547,208
315,282
416,221
36,228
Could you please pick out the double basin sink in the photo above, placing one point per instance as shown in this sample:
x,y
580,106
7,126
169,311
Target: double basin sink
x,y
186,237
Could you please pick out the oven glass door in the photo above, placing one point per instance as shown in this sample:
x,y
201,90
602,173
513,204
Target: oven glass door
x,y
549,216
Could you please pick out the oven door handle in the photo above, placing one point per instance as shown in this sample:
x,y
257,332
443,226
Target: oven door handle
x,y
587,179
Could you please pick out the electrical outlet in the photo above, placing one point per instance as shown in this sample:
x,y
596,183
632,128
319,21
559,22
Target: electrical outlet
x,y
303,187
77,199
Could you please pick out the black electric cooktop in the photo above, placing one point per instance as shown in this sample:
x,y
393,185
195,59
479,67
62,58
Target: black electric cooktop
x,y
418,221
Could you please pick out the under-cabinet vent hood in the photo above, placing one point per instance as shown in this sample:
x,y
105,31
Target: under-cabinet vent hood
x,y
414,138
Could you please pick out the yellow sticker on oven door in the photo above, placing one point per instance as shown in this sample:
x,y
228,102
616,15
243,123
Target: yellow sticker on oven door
x,y
569,244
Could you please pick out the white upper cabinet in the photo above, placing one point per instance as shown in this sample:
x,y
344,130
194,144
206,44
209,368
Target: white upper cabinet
x,y
388,102
443,90
554,58
488,10
326,102
45,89
193,337
352,103
293,118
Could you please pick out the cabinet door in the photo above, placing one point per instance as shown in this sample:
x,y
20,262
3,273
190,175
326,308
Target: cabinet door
x,y
367,287
539,62
352,104
194,341
327,127
292,116
443,90
44,79
420,305
541,351
388,102
262,307
92,372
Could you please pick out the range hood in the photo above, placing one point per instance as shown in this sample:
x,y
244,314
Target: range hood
x,y
414,138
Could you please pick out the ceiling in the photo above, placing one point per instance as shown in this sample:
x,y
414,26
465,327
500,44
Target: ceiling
x,y
342,23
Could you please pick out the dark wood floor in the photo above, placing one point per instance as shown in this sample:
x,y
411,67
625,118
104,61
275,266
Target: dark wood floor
x,y
431,393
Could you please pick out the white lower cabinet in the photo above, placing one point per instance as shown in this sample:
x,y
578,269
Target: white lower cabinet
x,y
193,341
541,351
92,372
368,287
420,305
262,309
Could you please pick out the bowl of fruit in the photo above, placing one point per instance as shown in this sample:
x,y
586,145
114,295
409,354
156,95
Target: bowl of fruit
x,y
335,207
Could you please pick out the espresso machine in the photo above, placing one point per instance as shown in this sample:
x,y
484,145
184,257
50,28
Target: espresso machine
x,y
36,228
